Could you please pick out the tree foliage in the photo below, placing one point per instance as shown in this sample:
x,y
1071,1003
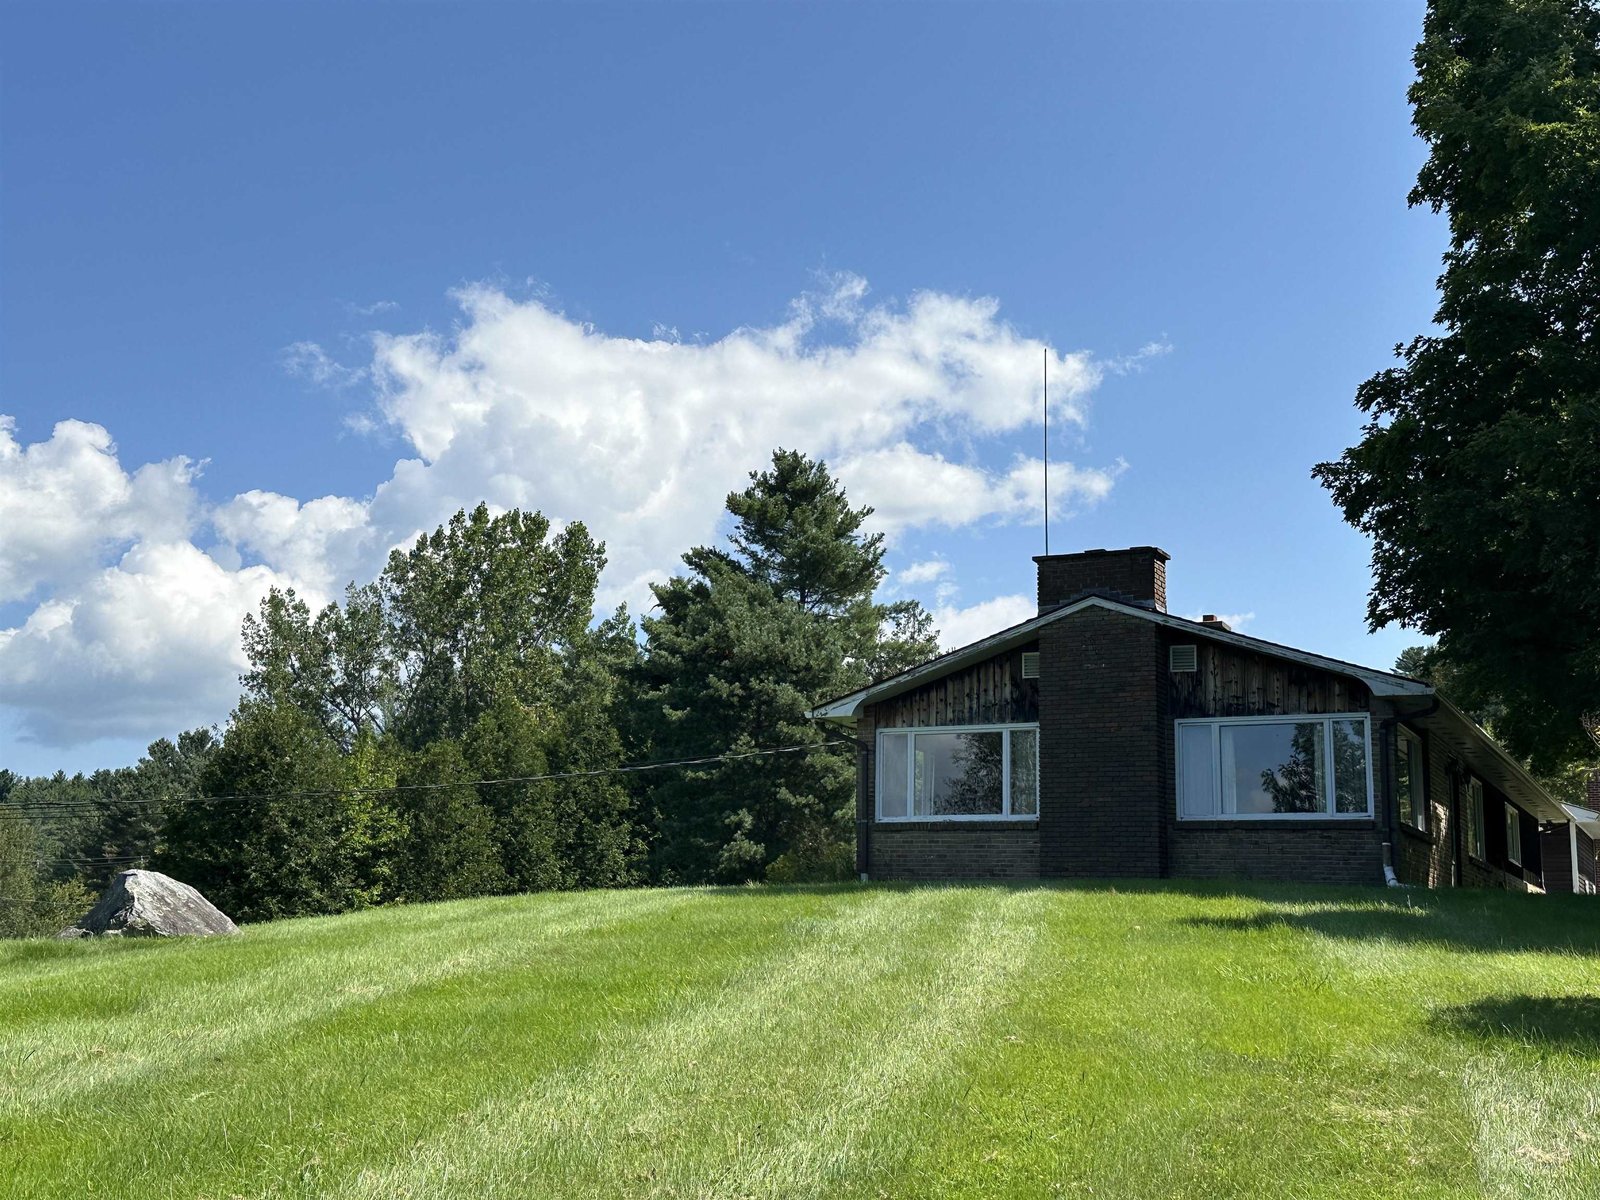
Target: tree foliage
x,y
745,644
1477,475
286,823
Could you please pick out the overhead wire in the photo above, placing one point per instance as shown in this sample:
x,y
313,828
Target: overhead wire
x,y
54,810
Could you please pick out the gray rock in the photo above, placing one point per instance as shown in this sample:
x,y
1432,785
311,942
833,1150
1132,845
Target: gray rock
x,y
150,904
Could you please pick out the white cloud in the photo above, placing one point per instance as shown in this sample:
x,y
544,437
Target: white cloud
x,y
907,486
135,629
67,501
147,647
643,439
962,626
307,360
323,543
369,310
923,572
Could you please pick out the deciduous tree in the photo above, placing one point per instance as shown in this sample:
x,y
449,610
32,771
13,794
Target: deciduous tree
x,y
1477,475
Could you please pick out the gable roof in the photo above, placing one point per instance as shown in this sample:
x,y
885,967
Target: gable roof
x,y
845,708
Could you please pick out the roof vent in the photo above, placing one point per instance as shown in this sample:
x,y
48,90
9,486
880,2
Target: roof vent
x,y
1030,664
1182,658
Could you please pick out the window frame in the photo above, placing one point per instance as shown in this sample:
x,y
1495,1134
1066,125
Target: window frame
x,y
1005,813
1477,836
1513,832
1419,808
1329,813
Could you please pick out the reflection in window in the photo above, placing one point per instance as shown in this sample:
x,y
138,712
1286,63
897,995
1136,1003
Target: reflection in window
x,y
1273,768
1410,795
1295,767
1025,772
958,773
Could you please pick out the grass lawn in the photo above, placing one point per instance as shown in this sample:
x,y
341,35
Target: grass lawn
x,y
1127,1041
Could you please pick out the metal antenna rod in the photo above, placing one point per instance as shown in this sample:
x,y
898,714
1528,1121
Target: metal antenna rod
x,y
1047,449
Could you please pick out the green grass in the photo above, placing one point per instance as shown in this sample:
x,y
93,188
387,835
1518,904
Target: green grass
x,y
1112,1041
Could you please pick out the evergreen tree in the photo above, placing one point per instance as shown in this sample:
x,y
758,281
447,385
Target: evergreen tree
x,y
448,848
745,644
297,840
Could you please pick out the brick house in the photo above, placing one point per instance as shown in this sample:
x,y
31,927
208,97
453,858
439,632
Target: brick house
x,y
1106,737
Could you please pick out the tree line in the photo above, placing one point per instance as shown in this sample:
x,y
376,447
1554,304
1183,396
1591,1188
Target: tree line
x,y
456,727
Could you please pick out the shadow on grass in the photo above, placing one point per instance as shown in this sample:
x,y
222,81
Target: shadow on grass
x,y
1569,1023
1488,923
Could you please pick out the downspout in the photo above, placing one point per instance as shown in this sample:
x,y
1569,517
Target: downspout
x,y
1388,724
863,796
1386,729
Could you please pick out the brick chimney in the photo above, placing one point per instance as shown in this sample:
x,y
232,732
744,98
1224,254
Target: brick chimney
x,y
1137,575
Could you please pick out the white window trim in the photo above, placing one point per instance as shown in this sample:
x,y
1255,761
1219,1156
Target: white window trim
x,y
1514,821
1477,849
1419,811
955,818
1216,724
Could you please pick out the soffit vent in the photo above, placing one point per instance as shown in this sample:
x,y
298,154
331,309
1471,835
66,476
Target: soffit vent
x,y
1182,658
1030,664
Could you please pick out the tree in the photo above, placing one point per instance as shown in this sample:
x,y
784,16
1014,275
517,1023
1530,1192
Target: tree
x,y
745,644
338,668
287,824
448,848
480,610
125,825
1477,475
31,904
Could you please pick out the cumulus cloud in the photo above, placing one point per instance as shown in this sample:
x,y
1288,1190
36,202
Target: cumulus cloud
x,y
525,406
962,626
67,501
146,647
915,405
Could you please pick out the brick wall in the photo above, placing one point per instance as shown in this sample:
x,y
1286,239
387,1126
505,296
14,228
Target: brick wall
x,y
1302,852
1102,775
939,850
1138,575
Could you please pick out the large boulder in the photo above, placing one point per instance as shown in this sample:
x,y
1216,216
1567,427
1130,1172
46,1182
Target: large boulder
x,y
150,904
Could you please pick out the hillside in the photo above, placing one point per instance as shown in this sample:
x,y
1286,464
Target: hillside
x,y
871,1042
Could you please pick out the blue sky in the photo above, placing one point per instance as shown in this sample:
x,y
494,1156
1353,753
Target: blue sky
x,y
596,259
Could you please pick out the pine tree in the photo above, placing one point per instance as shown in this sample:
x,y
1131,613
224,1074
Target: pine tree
x,y
745,645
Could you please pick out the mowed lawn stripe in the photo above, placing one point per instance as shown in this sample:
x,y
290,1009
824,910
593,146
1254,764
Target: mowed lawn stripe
x,y
1164,1039
203,1001
279,1113
781,1086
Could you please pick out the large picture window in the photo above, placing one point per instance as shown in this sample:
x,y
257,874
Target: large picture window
x,y
1265,768
969,773
1410,779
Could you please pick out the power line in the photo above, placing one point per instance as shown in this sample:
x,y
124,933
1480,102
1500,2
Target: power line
x,y
87,806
